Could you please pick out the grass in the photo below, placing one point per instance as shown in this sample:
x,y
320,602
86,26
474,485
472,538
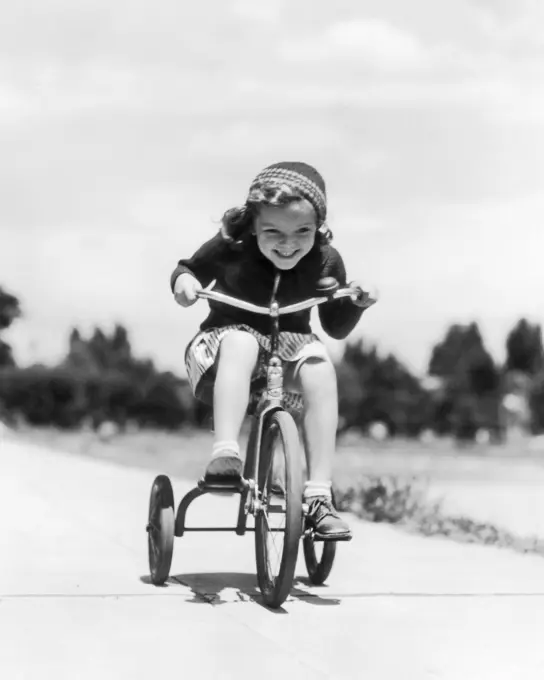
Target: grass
x,y
182,454
395,501
388,482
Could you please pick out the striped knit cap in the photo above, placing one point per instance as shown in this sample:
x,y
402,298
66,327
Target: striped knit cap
x,y
299,177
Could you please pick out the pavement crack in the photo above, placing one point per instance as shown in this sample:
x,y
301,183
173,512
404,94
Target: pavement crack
x,y
215,599
345,596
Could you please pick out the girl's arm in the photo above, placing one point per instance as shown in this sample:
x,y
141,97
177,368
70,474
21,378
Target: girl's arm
x,y
204,264
338,317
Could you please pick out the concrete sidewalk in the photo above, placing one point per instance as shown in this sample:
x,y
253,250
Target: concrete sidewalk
x,y
75,598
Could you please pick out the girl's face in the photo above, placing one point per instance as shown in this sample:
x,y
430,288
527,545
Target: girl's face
x,y
285,234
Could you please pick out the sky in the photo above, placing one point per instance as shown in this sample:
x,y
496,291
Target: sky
x,y
127,128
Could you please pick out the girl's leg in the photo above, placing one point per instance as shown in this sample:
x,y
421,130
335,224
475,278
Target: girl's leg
x,y
317,381
238,356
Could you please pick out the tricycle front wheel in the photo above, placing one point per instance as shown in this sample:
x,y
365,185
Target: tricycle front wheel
x,y
278,521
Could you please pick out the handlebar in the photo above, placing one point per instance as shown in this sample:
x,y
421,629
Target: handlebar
x,y
209,294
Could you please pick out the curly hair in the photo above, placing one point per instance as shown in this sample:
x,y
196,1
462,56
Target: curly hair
x,y
237,223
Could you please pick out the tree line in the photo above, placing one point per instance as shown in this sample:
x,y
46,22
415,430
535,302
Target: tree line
x,y
464,390
100,380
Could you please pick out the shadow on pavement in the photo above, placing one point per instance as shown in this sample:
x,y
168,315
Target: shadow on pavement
x,y
227,587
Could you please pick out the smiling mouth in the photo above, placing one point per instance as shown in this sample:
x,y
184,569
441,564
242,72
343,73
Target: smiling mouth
x,y
286,256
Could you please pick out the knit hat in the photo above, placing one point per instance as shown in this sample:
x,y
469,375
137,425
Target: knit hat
x,y
300,177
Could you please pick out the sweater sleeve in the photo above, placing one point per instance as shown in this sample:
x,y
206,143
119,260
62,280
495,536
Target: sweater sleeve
x,y
338,317
205,264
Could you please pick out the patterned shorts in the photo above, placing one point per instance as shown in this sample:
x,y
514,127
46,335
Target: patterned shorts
x,y
293,348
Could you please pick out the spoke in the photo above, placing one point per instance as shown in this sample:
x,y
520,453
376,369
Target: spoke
x,y
272,531
274,543
269,535
273,506
278,554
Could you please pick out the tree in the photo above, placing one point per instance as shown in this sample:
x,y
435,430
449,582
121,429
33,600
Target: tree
x,y
9,311
524,351
121,387
536,404
374,388
462,359
103,352
79,354
483,374
470,394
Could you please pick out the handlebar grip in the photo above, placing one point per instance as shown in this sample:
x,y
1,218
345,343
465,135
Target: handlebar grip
x,y
327,286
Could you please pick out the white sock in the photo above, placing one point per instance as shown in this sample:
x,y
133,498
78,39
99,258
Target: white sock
x,y
219,448
312,489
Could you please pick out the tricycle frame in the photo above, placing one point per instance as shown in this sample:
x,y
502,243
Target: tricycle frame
x,y
269,413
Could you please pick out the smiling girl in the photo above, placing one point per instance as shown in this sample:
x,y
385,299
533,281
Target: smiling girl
x,y
280,228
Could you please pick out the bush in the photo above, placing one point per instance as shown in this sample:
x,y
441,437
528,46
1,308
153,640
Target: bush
x,y
66,397
39,395
381,499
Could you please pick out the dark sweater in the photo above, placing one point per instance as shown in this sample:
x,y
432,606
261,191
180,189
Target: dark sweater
x,y
245,273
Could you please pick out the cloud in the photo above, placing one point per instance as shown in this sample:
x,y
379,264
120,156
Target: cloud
x,y
450,263
258,13
373,42
513,25
126,131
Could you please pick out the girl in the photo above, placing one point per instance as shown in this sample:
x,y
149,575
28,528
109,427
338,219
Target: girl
x,y
281,228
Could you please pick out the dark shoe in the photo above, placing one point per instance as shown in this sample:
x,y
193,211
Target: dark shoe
x,y
226,464
325,521
277,488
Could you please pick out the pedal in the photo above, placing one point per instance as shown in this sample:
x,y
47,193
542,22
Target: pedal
x,y
222,484
331,539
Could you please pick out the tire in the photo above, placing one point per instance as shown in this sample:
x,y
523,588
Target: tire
x,y
160,530
280,439
319,561
319,557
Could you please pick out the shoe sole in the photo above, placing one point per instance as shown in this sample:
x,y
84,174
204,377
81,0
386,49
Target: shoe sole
x,y
332,537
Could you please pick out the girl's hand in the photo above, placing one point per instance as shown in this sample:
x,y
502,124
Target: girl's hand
x,y
186,288
366,297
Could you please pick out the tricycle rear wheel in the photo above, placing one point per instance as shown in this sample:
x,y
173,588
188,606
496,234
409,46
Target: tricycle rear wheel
x,y
319,557
160,529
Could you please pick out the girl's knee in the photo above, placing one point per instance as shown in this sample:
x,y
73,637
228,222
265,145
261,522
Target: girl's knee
x,y
240,346
316,372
